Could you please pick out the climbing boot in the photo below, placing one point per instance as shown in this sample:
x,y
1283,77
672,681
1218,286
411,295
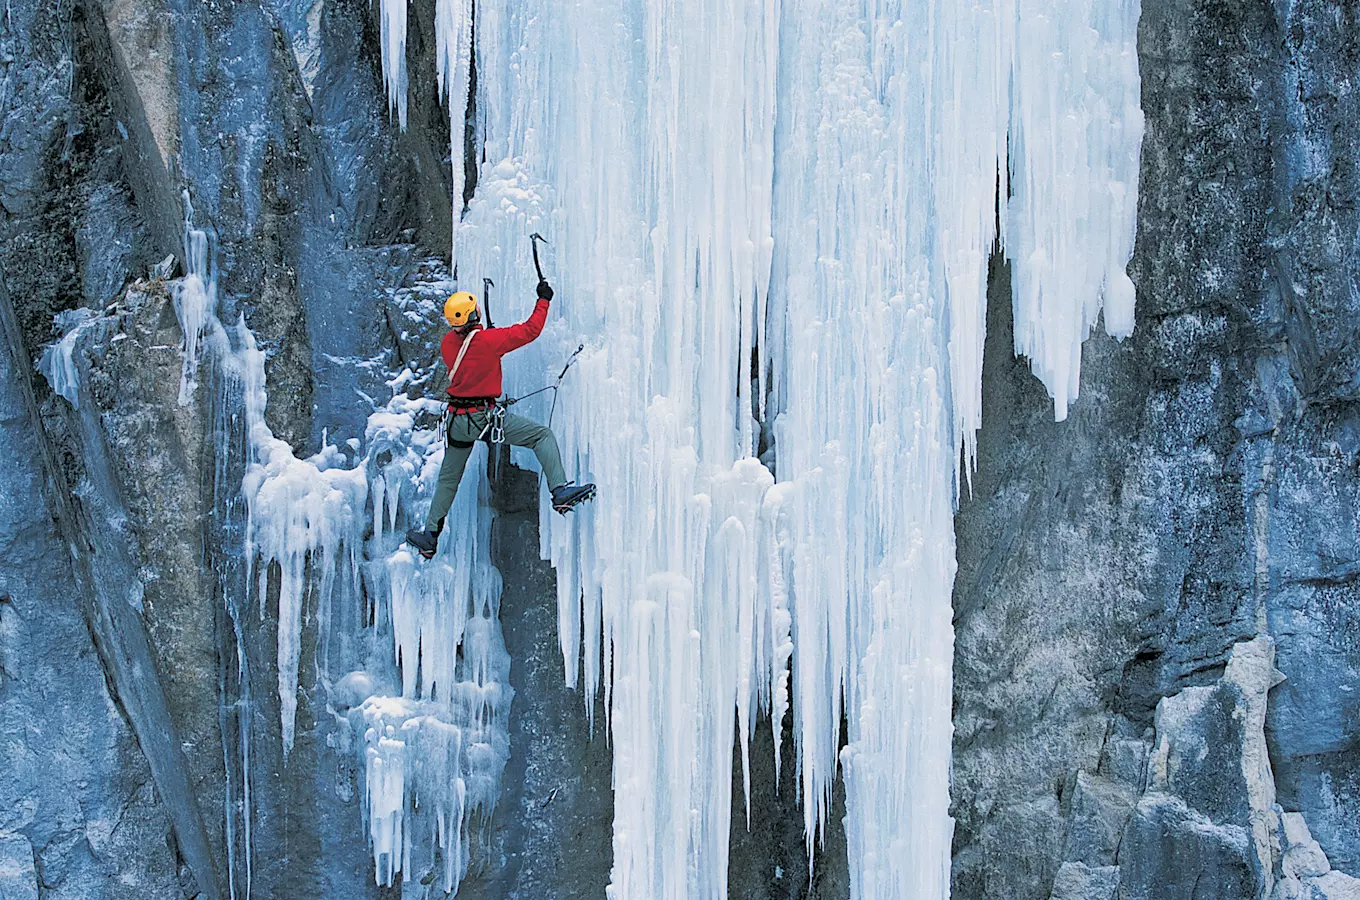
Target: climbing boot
x,y
426,542
566,496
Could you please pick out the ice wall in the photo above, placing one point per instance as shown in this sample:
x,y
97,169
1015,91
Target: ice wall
x,y
771,225
321,545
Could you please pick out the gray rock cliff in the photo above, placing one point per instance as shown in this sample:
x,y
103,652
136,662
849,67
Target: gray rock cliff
x,y
1157,606
1204,493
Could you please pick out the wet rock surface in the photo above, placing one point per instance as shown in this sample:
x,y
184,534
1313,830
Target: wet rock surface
x,y
79,815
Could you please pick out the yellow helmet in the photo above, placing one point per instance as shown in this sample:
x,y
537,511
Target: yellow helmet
x,y
460,309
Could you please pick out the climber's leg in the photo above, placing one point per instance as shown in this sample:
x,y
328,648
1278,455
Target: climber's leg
x,y
522,432
462,436
450,473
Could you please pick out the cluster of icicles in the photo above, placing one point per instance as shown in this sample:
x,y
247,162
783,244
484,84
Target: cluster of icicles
x,y
778,261
785,248
323,539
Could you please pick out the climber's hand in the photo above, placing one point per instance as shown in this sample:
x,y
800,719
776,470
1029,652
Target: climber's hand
x,y
545,290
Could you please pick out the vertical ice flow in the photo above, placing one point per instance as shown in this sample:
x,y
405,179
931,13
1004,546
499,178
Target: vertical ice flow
x,y
453,63
195,299
392,32
1075,135
322,539
786,248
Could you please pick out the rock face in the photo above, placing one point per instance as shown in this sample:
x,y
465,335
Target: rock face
x,y
1204,493
79,813
1129,581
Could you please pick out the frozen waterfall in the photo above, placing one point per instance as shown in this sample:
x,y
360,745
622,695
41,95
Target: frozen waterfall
x,y
771,225
320,543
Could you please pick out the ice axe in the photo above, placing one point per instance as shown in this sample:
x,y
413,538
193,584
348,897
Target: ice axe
x,y
533,240
487,285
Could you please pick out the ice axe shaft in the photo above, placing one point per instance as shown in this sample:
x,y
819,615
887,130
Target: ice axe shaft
x,y
533,240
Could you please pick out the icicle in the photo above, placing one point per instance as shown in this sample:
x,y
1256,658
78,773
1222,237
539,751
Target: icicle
x,y
195,299
1076,130
393,36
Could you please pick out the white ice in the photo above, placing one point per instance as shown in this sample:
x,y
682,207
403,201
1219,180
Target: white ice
x,y
323,542
772,222
195,299
392,34
58,360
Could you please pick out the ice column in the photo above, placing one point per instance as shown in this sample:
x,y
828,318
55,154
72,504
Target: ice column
x,y
453,62
667,166
864,431
195,299
969,105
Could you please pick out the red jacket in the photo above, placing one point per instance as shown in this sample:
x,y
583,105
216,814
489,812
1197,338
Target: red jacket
x,y
479,375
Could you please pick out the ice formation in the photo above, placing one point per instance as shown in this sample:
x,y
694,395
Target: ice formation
x,y
322,540
453,65
195,299
392,31
1076,131
784,248
58,361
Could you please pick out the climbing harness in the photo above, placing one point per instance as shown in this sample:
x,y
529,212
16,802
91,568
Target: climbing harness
x,y
494,429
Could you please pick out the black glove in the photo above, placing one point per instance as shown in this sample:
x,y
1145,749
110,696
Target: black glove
x,y
545,291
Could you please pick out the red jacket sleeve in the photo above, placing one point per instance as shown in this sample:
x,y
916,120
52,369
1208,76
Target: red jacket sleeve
x,y
515,336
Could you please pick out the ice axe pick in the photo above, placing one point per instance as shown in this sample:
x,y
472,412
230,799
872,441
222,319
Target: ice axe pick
x,y
487,285
534,239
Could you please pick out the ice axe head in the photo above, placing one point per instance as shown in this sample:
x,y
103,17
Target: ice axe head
x,y
487,285
533,241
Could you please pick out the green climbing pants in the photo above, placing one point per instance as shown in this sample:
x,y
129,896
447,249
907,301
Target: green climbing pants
x,y
464,430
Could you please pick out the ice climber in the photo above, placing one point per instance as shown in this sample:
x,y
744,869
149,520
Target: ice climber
x,y
473,355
